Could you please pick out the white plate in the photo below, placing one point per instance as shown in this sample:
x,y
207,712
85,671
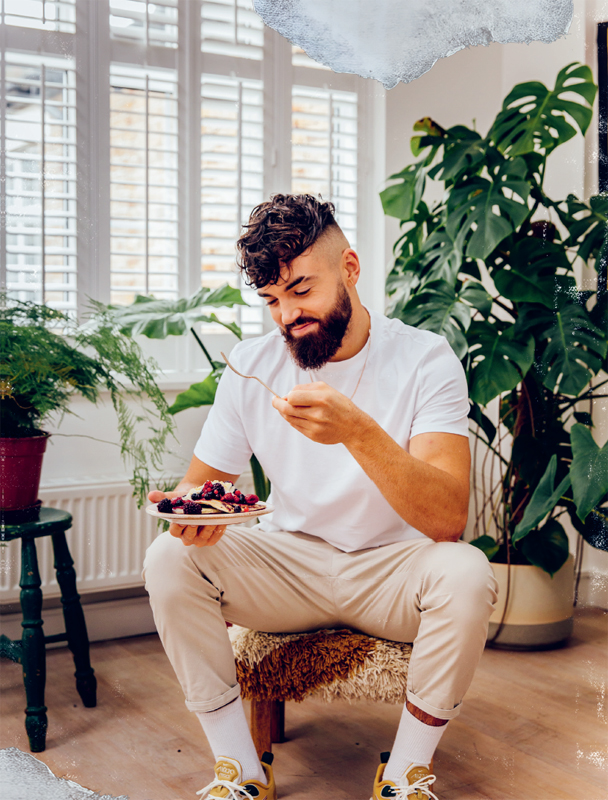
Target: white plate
x,y
208,519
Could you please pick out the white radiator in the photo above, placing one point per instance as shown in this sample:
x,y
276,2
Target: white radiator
x,y
107,540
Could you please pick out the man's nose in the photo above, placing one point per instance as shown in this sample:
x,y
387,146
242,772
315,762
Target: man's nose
x,y
290,312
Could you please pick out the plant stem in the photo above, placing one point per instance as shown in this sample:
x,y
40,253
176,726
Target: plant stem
x,y
203,348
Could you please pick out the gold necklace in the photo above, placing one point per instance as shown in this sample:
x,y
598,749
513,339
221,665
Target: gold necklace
x,y
369,343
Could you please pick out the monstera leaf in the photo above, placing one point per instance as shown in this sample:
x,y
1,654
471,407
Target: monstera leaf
x,y
589,470
158,319
544,499
534,117
402,199
437,307
588,231
487,208
464,151
574,347
199,394
499,361
547,547
530,274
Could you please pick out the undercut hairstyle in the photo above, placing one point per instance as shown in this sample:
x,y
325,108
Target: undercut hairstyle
x,y
278,231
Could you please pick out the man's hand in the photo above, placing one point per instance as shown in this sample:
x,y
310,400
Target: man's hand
x,y
198,535
320,413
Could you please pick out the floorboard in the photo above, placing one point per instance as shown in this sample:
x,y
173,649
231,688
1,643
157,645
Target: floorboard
x,y
533,725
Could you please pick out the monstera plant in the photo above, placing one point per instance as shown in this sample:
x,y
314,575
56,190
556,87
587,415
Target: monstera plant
x,y
493,266
158,319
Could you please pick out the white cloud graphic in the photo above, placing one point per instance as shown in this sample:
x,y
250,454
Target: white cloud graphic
x,y
400,40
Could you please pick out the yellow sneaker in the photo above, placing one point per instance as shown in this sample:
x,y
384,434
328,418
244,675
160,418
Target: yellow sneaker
x,y
229,783
414,785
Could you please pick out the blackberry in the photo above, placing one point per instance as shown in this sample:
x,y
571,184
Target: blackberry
x,y
165,506
219,489
192,508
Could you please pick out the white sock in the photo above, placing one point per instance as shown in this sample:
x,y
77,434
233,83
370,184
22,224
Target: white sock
x,y
415,743
228,735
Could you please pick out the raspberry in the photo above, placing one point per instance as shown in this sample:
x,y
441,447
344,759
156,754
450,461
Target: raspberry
x,y
165,506
207,486
251,499
192,508
229,498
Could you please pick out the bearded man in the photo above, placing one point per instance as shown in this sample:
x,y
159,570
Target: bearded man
x,y
367,452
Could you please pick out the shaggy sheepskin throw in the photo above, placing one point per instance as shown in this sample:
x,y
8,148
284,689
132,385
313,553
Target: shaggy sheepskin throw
x,y
328,664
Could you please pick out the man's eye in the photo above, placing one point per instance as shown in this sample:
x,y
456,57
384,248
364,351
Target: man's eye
x,y
271,302
302,293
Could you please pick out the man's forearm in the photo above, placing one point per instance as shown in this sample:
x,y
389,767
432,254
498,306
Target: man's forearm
x,y
426,497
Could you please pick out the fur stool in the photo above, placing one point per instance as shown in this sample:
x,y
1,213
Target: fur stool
x,y
327,664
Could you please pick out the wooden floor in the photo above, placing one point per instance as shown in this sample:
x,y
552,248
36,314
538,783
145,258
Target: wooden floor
x,y
534,725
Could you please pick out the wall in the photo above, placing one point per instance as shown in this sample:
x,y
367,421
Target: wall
x,y
468,88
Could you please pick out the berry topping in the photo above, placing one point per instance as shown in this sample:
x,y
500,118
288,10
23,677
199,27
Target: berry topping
x,y
196,496
177,501
237,510
229,498
209,496
219,489
207,486
192,508
165,506
251,499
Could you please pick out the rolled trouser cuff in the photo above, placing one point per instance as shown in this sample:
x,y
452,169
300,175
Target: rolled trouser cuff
x,y
217,702
439,713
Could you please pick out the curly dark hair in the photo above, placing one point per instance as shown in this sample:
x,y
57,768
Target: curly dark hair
x,y
280,230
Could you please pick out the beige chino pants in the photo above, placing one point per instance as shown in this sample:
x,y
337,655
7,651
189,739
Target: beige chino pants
x,y
437,595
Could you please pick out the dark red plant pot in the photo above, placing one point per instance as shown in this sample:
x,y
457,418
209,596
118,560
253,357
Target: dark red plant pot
x,y
20,467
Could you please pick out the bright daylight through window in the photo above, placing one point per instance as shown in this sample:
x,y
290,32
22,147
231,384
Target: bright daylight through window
x,y
137,136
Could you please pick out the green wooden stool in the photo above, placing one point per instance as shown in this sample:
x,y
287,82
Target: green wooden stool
x,y
31,650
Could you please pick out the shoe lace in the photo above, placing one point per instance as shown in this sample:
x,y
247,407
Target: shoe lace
x,y
419,789
236,791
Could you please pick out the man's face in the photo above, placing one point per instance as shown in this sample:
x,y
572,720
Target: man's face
x,y
312,308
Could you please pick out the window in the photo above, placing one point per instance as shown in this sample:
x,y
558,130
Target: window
x,y
40,186
46,15
146,22
190,114
143,183
324,150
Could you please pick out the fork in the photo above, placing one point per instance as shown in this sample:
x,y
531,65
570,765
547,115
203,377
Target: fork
x,y
255,377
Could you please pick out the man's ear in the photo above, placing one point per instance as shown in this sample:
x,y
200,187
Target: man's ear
x,y
351,267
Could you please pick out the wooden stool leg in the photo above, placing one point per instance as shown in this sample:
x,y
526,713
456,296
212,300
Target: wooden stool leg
x,y
277,721
261,725
33,652
75,625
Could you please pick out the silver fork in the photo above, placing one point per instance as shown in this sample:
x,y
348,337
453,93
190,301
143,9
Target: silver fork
x,y
255,377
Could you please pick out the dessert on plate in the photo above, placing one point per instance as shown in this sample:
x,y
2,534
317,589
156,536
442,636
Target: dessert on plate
x,y
213,497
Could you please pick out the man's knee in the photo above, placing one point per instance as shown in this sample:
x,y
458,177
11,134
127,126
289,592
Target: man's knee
x,y
163,563
463,570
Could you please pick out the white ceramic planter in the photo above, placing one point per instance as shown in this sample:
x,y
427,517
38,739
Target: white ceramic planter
x,y
539,612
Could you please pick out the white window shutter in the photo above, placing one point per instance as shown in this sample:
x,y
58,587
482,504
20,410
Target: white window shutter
x,y
40,187
143,183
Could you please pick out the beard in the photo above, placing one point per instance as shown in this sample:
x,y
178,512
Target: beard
x,y
314,350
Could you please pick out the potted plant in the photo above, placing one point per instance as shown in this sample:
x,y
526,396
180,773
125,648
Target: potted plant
x,y
158,319
493,267
45,359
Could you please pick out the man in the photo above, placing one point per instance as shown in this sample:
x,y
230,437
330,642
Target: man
x,y
367,451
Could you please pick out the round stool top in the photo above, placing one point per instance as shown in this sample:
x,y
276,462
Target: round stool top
x,y
51,520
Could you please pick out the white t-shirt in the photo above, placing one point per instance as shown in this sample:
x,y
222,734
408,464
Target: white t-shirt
x,y
413,383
